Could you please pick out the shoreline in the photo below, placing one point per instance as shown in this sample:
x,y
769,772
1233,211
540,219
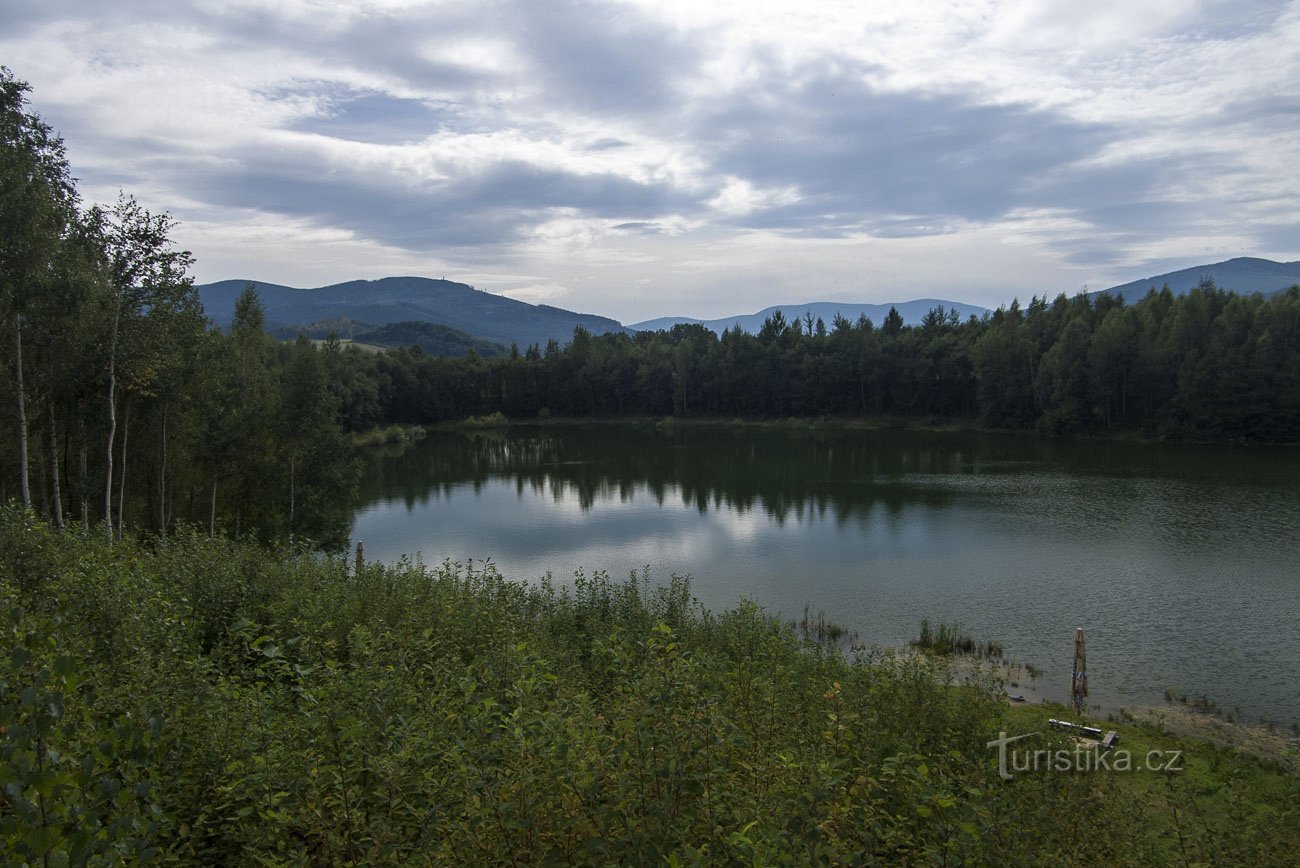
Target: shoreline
x,y
1272,740
1020,688
498,421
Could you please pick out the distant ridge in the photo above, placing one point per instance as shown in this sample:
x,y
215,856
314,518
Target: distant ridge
x,y
912,313
1245,274
484,315
502,320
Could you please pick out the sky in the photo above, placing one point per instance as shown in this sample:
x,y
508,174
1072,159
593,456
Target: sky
x,y
683,157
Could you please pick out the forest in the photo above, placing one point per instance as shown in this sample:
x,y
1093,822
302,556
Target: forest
x,y
128,410
1209,365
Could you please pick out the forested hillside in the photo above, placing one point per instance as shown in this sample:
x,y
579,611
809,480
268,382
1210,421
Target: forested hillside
x,y
486,315
1244,274
434,339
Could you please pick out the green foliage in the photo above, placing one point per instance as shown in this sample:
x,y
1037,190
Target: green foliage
x,y
78,775
129,410
202,700
1209,365
948,639
432,339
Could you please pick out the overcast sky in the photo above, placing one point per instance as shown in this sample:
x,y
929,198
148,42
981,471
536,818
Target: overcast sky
x,y
686,157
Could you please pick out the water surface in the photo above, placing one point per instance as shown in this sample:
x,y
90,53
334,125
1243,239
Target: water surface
x,y
1182,563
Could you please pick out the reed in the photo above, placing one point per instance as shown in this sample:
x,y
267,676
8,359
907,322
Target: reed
x,y
947,640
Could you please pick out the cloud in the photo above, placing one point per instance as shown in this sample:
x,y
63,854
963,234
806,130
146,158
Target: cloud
x,y
537,293
850,154
375,118
735,151
501,202
603,59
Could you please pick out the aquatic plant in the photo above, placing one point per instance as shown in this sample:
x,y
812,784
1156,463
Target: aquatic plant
x,y
949,639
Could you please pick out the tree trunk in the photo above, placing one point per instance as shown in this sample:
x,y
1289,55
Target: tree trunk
x,y
108,452
1123,393
83,484
43,483
162,478
24,485
121,485
291,492
171,501
57,503
112,428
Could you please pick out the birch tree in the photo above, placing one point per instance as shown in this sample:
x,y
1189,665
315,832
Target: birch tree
x,y
149,287
37,197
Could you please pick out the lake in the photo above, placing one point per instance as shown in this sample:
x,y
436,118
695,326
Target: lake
x,y
1181,562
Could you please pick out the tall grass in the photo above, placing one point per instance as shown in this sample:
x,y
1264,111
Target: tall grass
x,y
949,639
820,630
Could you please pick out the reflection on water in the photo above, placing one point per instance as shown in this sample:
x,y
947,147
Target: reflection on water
x,y
1180,561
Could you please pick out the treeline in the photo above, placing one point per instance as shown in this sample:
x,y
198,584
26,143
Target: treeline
x,y
127,409
1209,365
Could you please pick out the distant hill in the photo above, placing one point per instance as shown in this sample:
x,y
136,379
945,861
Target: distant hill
x,y
911,311
484,315
432,338
1244,274
345,328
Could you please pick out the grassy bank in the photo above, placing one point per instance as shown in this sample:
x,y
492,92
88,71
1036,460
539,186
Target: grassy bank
x,y
191,699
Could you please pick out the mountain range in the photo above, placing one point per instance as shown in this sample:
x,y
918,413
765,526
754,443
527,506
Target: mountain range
x,y
485,316
1245,274
911,311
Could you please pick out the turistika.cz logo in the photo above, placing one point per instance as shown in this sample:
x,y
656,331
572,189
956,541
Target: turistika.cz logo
x,y
1022,760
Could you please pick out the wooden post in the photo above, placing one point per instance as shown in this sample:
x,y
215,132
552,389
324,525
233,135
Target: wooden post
x,y
1079,675
361,557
